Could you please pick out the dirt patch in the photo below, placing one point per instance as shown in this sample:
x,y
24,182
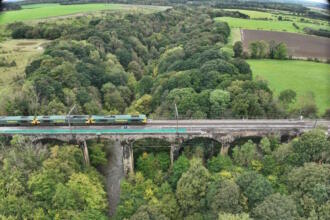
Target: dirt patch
x,y
26,43
302,46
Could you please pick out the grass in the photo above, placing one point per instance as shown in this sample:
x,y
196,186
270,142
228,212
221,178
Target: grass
x,y
253,14
272,25
300,76
20,51
40,11
235,35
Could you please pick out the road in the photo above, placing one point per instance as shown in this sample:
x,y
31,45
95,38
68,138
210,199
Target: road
x,y
172,126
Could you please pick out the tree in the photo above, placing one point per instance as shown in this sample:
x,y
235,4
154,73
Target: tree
x,y
219,163
223,196
244,154
238,49
191,188
144,85
148,165
136,69
242,66
276,207
287,96
180,166
312,146
143,104
219,100
185,100
254,186
97,154
265,145
135,192
309,184
258,49
280,52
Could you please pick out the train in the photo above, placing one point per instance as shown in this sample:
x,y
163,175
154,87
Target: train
x,y
75,120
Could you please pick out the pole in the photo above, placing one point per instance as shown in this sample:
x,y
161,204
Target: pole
x,y
68,115
177,118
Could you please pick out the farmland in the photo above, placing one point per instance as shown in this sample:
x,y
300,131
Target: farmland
x,y
300,76
40,11
270,25
302,46
253,14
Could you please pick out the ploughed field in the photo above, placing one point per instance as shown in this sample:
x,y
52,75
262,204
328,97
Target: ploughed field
x,y
302,46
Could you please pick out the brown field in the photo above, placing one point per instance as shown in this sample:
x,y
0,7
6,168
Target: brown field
x,y
300,46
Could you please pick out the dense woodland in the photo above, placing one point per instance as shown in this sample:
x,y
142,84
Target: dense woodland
x,y
267,180
143,63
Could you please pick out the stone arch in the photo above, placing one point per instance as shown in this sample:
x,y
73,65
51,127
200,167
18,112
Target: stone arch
x,y
211,146
149,145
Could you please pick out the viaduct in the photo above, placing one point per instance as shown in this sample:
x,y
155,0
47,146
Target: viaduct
x,y
172,131
175,133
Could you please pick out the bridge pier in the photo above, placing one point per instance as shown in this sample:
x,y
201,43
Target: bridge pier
x,y
224,148
84,148
174,152
114,173
225,144
128,157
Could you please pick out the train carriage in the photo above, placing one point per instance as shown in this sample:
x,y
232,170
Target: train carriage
x,y
51,120
17,120
78,119
118,119
56,120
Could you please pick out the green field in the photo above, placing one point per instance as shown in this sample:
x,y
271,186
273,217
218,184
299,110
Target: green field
x,y
235,35
253,14
39,11
300,76
271,25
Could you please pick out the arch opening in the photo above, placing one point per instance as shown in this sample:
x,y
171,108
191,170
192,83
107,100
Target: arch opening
x,y
202,147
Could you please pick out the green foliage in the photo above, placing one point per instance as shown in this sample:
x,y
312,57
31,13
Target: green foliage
x,y
37,183
265,146
244,154
287,96
280,52
254,186
238,49
97,154
219,163
180,166
141,198
310,186
258,49
148,164
312,146
223,196
191,188
129,70
276,206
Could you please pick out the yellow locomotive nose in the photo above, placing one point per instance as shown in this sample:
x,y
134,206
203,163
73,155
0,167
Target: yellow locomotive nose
x,y
90,121
35,121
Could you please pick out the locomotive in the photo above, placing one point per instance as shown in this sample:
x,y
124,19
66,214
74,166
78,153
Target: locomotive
x,y
73,120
